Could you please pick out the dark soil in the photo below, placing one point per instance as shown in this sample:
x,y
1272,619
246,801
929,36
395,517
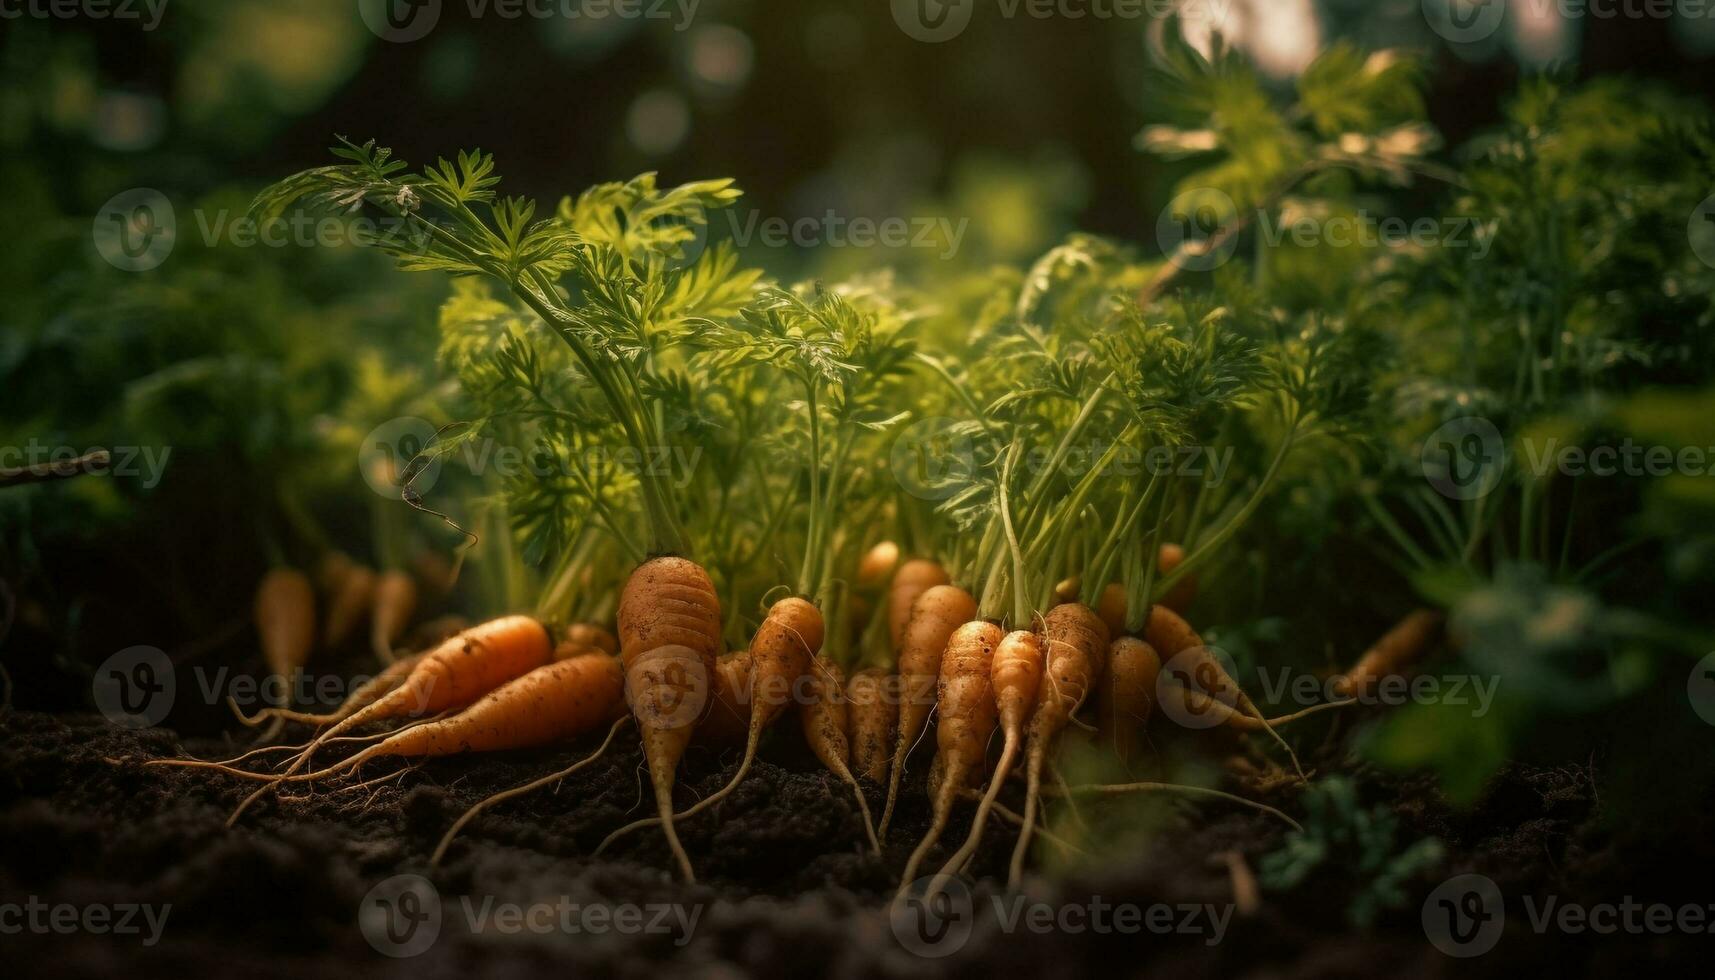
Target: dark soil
x,y
786,887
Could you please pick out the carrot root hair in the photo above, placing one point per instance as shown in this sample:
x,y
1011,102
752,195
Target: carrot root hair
x,y
517,791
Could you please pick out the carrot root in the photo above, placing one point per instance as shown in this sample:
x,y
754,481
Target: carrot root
x,y
517,791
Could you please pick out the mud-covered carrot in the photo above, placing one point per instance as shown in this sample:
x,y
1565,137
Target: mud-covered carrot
x,y
669,638
937,613
1016,678
1126,695
779,656
873,713
823,716
1076,642
911,580
965,720
1195,665
728,718
453,676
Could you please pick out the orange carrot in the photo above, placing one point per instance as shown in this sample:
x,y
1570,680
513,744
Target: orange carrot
x,y
937,613
1112,607
350,591
1178,645
453,676
395,602
911,580
780,655
669,637
1398,650
431,634
285,621
1077,643
966,715
592,635
873,713
1126,694
1016,676
551,703
877,566
1181,595
728,718
823,716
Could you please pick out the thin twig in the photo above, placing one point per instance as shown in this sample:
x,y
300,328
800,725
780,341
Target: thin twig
x,y
17,476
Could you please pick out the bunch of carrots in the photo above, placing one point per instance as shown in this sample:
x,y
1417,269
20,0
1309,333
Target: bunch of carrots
x,y
827,556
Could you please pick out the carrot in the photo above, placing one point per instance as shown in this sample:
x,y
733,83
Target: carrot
x,y
937,613
966,714
1066,590
548,704
873,712
780,655
1077,643
454,675
551,703
1126,694
728,718
877,564
669,636
1112,607
592,635
1016,677
1182,594
1408,642
911,580
1177,644
350,590
427,636
285,621
395,601
824,716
